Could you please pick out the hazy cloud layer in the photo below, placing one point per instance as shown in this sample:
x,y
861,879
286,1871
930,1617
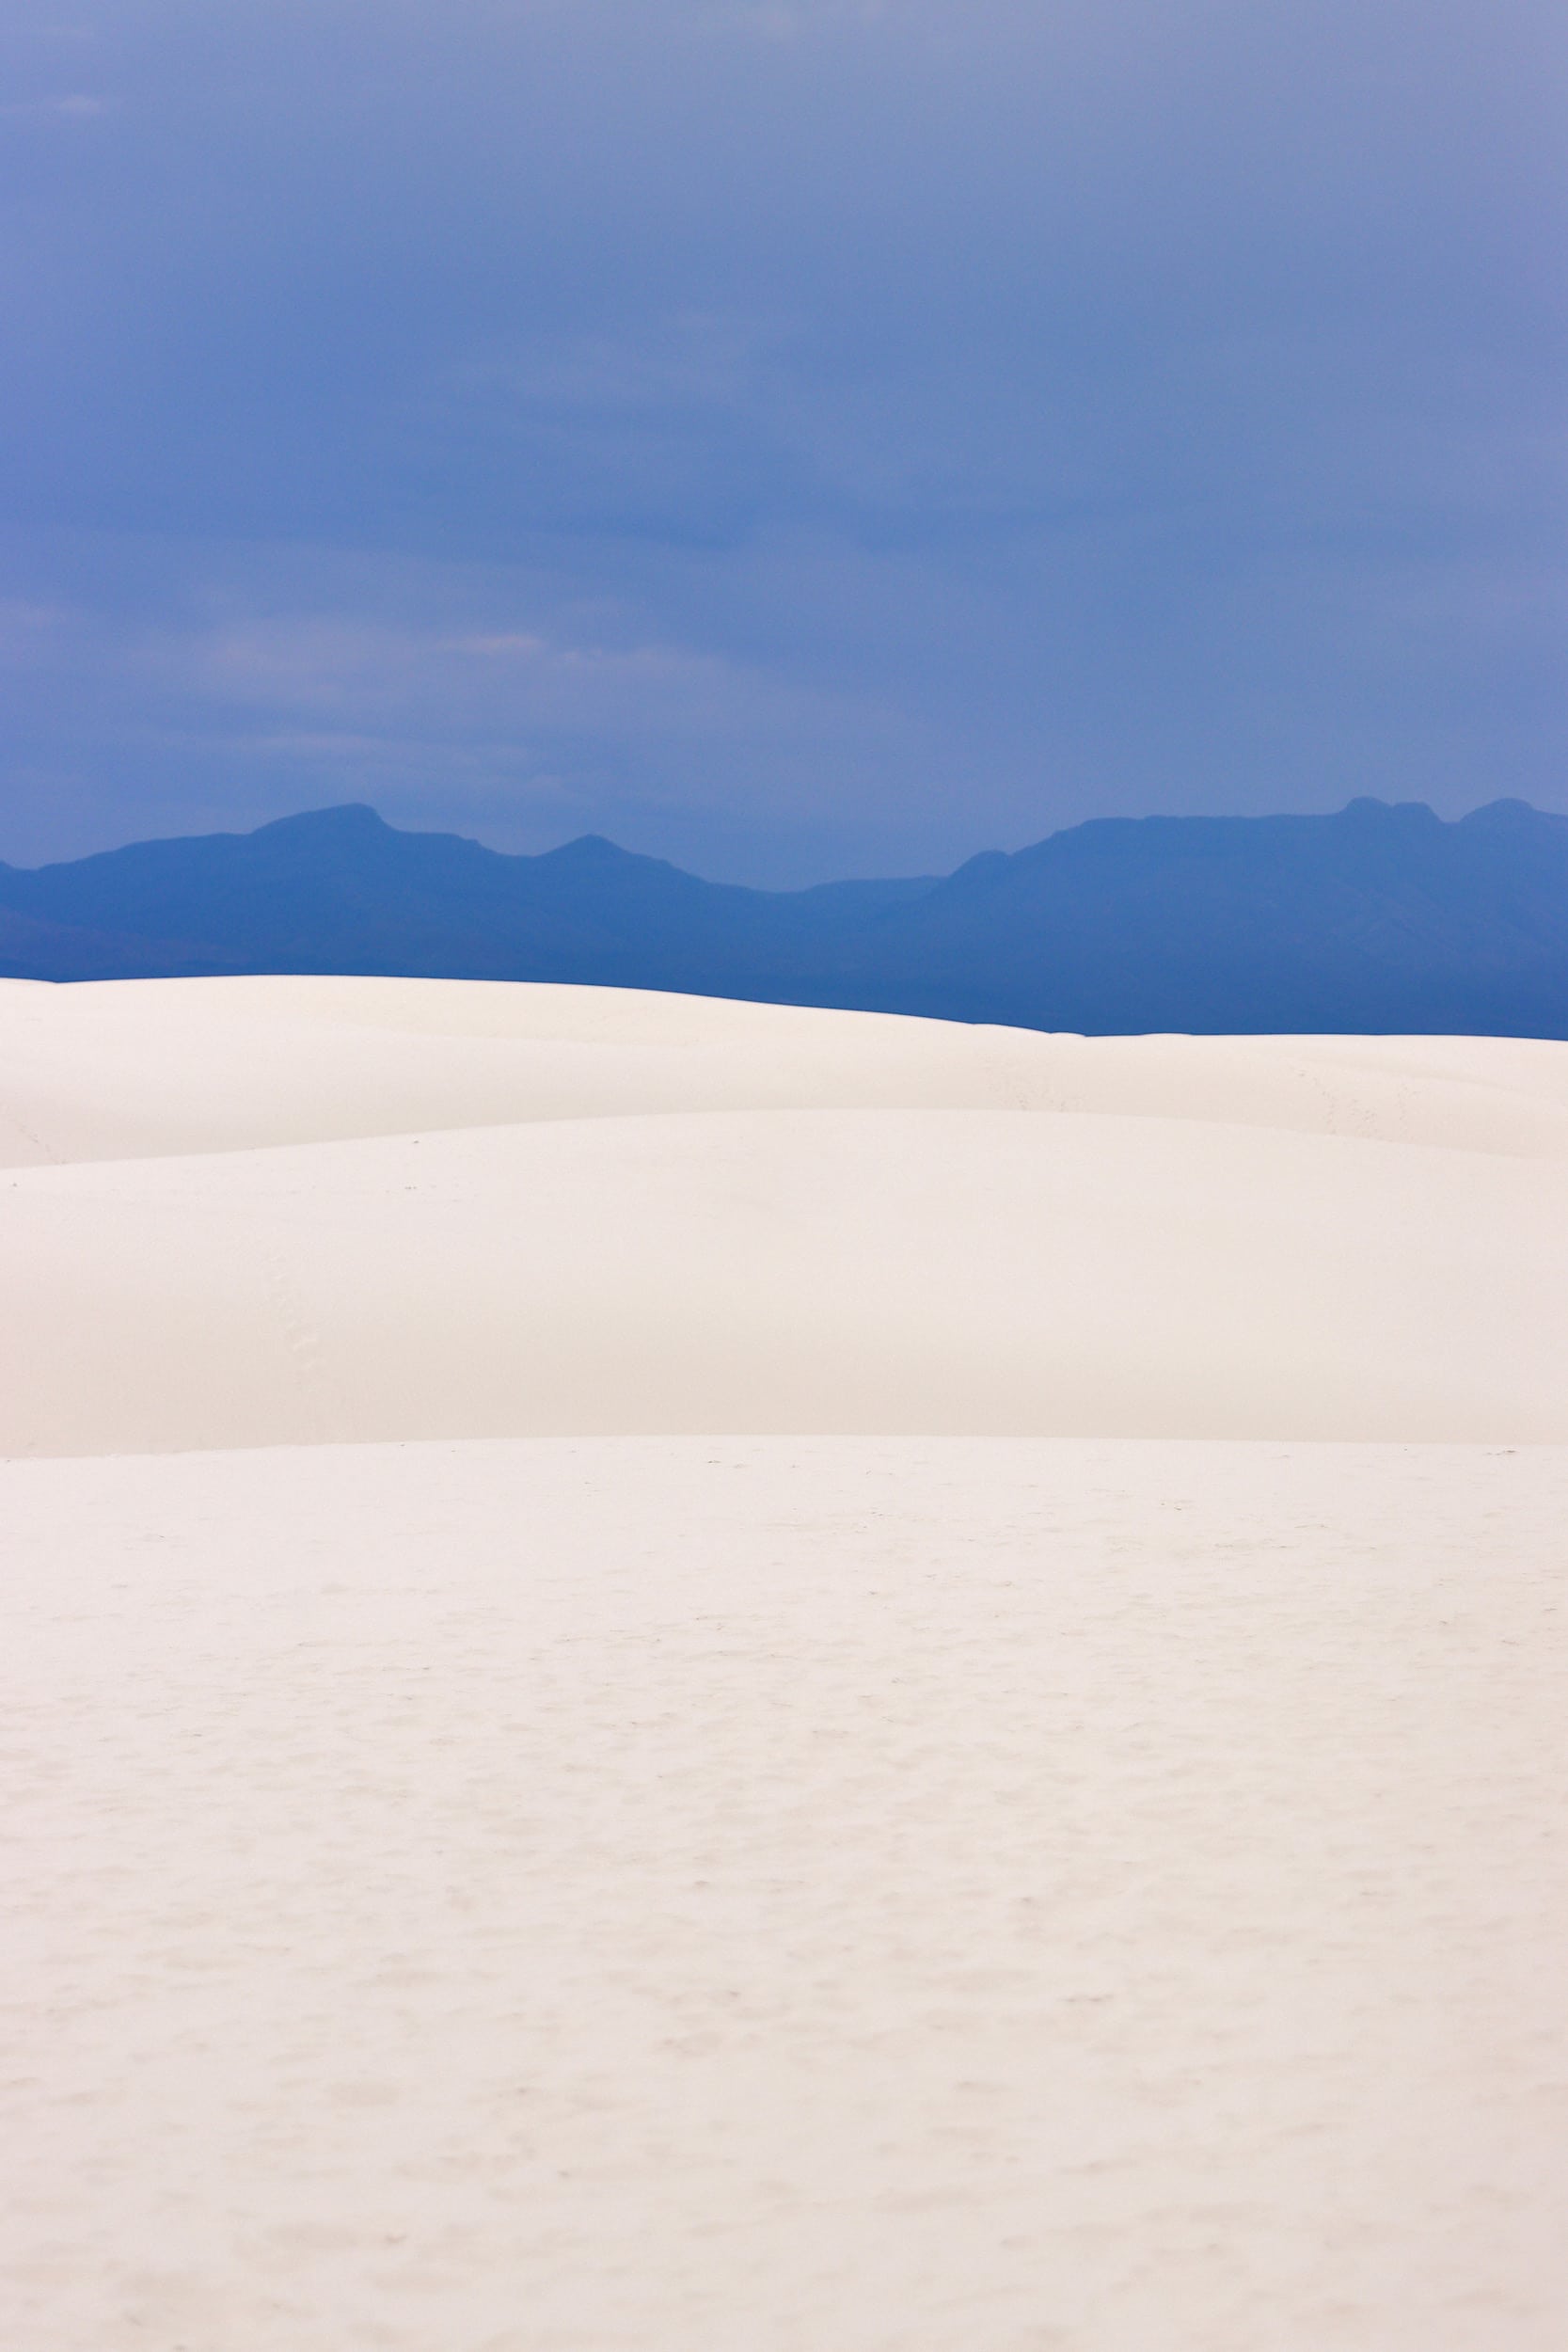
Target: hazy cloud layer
x,y
790,437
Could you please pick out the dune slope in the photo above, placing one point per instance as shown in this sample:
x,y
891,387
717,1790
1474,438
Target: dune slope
x,y
155,1068
630,1215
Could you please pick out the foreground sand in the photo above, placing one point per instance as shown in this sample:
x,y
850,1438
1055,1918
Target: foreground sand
x,y
1059,1848
860,1894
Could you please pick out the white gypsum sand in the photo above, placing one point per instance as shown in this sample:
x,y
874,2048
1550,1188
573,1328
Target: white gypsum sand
x,y
941,1729
666,1214
862,1893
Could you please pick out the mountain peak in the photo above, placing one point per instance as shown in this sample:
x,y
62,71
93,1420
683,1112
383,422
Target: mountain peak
x,y
1509,816
591,845
592,852
348,817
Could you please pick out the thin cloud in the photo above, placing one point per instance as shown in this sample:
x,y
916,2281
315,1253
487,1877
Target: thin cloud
x,y
76,106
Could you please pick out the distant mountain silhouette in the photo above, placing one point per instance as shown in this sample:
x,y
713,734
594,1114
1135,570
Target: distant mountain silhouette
x,y
1380,918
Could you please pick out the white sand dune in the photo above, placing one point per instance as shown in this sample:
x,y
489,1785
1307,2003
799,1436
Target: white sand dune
x,y
714,1677
156,1068
1330,1241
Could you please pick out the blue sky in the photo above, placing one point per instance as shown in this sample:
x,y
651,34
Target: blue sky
x,y
812,438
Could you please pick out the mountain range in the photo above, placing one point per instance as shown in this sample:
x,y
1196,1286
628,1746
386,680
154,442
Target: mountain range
x,y
1379,918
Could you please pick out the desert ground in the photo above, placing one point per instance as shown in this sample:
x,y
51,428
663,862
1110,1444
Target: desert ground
x,y
699,1677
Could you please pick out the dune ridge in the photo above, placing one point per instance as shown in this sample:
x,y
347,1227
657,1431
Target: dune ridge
x,y
123,1070
371,1210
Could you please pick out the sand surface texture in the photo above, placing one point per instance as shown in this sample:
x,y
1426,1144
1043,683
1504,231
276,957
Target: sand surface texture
x,y
704,1678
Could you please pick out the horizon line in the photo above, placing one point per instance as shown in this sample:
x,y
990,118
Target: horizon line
x,y
591,839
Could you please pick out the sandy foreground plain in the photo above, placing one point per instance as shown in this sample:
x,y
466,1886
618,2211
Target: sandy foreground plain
x,y
697,1677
